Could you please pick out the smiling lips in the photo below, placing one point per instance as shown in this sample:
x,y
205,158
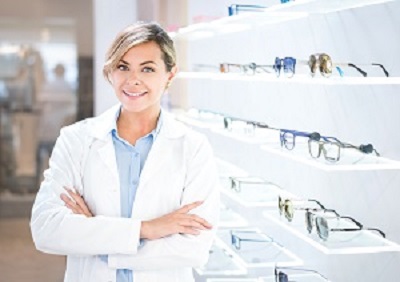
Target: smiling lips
x,y
134,94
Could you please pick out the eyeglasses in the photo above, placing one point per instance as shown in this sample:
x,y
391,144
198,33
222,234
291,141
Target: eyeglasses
x,y
288,137
288,64
310,216
248,126
281,276
236,239
331,149
323,229
287,208
323,62
236,182
251,68
234,9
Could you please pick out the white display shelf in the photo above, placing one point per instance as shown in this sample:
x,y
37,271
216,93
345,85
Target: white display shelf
x,y
275,14
354,242
298,78
230,218
259,254
232,280
297,278
350,159
221,262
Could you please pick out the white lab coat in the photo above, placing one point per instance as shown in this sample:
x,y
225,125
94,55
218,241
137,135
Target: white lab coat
x,y
180,169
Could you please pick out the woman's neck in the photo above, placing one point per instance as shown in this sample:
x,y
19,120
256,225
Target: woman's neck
x,y
131,126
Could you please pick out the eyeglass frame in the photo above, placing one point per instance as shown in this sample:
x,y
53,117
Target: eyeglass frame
x,y
283,206
366,149
234,9
283,277
360,227
236,183
235,239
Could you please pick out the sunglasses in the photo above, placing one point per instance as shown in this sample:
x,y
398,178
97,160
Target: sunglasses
x,y
236,239
323,228
281,276
287,208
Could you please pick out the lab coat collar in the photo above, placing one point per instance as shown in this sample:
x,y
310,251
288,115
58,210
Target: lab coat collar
x,y
102,125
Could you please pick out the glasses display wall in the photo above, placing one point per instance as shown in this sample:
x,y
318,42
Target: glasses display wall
x,y
306,145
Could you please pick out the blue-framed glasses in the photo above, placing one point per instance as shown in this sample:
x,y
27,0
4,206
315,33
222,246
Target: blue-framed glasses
x,y
288,137
237,237
288,64
235,9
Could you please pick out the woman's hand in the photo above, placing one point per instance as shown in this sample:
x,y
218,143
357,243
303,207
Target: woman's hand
x,y
178,221
75,203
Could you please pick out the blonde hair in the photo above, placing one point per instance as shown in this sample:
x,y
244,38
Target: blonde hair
x,y
136,34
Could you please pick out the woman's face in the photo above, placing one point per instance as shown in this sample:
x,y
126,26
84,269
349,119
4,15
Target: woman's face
x,y
140,78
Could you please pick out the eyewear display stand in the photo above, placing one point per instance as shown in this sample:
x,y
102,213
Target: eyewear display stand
x,y
232,280
280,68
353,242
258,250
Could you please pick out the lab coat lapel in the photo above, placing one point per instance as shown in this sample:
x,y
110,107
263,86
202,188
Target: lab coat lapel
x,y
157,156
107,155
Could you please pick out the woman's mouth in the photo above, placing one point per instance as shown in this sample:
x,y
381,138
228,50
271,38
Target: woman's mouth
x,y
134,94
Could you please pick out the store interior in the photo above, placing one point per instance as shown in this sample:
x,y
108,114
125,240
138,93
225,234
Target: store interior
x,y
298,99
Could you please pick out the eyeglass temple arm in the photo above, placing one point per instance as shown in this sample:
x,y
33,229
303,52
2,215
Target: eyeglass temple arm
x,y
360,227
358,69
299,269
382,67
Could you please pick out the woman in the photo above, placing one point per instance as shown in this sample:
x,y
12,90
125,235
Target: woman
x,y
131,195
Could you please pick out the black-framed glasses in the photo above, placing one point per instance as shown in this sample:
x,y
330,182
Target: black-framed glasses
x,y
287,208
235,9
331,149
323,228
364,73
281,276
238,236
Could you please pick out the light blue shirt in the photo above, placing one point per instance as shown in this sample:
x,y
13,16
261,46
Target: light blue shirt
x,y
130,162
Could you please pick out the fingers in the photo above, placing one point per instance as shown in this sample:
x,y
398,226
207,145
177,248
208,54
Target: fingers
x,y
187,208
75,203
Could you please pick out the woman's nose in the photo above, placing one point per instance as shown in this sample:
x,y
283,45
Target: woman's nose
x,y
133,78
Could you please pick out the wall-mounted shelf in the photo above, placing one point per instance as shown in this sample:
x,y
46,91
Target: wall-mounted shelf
x,y
357,242
259,254
221,262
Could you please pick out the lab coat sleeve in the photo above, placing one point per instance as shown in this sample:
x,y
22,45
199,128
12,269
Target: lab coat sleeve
x,y
55,229
176,251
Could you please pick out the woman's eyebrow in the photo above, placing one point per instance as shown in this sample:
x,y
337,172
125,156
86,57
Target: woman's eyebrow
x,y
148,62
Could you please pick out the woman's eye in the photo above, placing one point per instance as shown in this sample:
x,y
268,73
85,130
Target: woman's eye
x,y
122,67
148,69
